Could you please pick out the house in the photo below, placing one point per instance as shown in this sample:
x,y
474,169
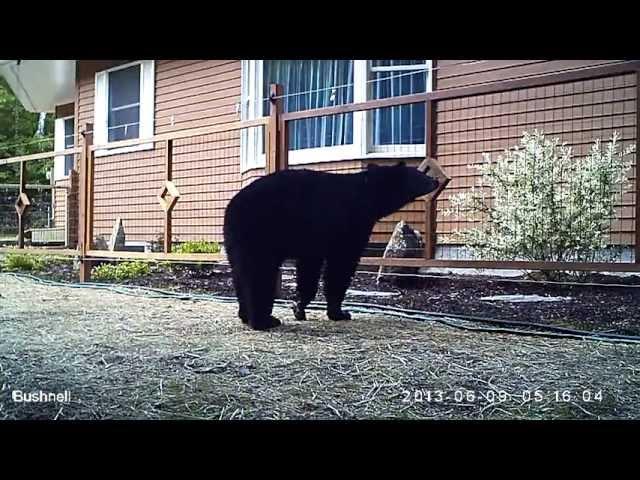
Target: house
x,y
130,99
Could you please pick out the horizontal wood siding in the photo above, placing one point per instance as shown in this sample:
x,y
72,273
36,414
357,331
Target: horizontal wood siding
x,y
194,93
63,111
206,171
60,203
251,175
127,186
465,73
188,94
577,112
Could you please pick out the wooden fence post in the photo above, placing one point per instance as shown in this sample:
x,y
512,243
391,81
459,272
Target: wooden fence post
x,y
168,212
283,141
85,220
430,228
22,203
276,154
430,207
273,146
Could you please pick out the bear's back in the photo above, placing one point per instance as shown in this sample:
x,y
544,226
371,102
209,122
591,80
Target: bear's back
x,y
295,190
295,207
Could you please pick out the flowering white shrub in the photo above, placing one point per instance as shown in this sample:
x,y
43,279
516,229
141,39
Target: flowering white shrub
x,y
538,202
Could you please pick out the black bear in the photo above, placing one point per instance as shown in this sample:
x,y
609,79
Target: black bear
x,y
313,218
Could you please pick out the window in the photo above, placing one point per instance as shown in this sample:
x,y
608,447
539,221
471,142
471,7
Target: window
x,y
309,84
403,124
124,105
63,139
68,143
123,112
313,84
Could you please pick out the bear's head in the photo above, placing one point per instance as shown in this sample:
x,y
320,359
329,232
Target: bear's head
x,y
392,187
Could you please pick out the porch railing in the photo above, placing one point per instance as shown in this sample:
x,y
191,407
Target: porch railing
x,y
171,153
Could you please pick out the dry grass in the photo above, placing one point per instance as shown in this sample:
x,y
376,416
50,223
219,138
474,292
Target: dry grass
x,y
124,357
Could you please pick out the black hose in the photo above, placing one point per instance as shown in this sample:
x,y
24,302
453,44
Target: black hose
x,y
473,318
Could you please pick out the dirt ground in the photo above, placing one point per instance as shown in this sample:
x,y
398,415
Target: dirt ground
x,y
132,357
585,307
590,307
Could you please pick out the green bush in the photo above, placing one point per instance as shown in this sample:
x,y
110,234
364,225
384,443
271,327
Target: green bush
x,y
539,202
120,271
198,247
23,263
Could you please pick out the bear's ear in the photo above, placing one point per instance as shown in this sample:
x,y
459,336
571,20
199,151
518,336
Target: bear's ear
x,y
371,166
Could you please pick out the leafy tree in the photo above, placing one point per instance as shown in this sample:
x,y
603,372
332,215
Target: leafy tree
x,y
18,136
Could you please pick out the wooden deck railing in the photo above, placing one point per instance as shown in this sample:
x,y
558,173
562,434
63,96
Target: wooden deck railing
x,y
430,99
276,126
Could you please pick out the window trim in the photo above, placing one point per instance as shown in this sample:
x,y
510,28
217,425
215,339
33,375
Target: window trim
x,y
362,147
251,139
396,150
59,145
147,107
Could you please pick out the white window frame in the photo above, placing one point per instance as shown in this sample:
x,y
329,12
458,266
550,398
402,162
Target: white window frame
x,y
395,150
362,146
58,145
147,107
252,139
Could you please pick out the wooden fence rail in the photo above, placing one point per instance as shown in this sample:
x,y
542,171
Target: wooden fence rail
x,y
276,126
430,99
168,193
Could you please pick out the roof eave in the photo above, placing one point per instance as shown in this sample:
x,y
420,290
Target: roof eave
x,y
40,85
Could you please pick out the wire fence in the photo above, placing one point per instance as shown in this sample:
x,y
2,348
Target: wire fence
x,y
39,215
206,172
579,209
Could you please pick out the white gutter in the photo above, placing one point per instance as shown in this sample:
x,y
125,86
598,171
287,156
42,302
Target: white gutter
x,y
40,85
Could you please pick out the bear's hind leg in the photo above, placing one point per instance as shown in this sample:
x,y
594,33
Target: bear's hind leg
x,y
308,271
337,278
242,301
238,271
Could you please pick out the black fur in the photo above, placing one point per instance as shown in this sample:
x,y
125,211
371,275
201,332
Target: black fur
x,y
315,218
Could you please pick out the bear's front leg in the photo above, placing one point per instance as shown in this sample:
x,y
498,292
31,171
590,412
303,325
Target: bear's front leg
x,y
337,279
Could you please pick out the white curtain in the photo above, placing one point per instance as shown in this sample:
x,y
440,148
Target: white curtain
x,y
321,83
403,124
